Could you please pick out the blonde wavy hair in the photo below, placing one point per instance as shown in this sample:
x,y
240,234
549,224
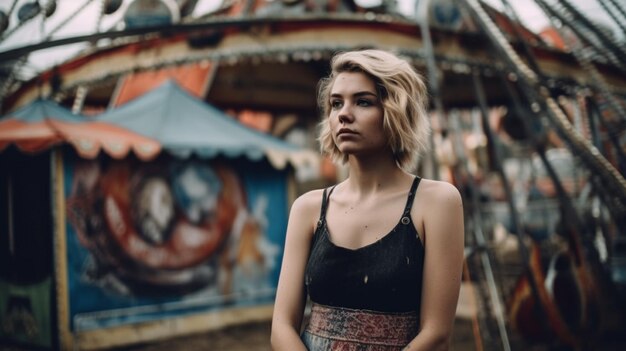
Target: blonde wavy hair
x,y
403,96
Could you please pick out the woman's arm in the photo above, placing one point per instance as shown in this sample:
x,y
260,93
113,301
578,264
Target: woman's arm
x,y
291,294
443,264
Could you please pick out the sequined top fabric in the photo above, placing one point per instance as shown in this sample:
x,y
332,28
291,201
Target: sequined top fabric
x,y
384,276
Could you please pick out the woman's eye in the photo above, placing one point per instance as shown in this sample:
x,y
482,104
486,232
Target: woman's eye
x,y
364,103
336,104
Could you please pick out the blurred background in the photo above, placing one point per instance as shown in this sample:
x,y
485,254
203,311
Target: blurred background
x,y
150,151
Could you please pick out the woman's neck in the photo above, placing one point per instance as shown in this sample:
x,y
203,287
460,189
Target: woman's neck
x,y
374,174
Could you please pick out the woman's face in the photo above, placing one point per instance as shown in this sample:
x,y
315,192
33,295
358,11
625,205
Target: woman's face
x,y
356,114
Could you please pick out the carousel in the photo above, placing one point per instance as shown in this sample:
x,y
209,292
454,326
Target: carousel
x,y
145,181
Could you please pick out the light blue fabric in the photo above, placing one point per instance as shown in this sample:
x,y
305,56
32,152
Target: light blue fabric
x,y
41,109
185,125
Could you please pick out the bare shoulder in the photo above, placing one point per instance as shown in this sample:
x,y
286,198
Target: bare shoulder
x,y
306,208
441,213
439,195
311,200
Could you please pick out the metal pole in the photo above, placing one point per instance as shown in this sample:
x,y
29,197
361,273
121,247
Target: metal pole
x,y
433,83
481,242
422,17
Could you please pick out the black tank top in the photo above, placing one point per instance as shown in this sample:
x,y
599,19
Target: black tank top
x,y
383,276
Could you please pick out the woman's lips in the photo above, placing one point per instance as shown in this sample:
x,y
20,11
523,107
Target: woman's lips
x,y
345,131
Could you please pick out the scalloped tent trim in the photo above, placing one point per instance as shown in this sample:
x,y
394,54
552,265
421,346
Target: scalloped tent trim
x,y
43,124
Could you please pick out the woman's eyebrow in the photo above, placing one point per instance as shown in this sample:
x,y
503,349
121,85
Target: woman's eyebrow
x,y
357,94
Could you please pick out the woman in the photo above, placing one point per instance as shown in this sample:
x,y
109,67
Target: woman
x,y
379,254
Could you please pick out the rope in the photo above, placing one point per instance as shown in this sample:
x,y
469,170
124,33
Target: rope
x,y
613,15
584,59
530,82
614,51
618,7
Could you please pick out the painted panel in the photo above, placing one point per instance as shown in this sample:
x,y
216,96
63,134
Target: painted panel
x,y
147,241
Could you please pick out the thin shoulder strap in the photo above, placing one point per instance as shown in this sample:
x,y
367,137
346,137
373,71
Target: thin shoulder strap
x,y
325,205
409,200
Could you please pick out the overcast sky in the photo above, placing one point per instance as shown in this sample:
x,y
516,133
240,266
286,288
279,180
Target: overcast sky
x,y
86,22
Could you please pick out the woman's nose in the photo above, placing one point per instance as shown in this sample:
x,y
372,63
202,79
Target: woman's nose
x,y
345,114
343,119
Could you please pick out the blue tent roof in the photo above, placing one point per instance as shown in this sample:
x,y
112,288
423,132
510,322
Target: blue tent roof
x,y
41,109
185,125
43,123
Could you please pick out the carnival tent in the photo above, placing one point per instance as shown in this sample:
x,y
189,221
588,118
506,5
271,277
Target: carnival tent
x,y
185,126
43,124
179,234
28,127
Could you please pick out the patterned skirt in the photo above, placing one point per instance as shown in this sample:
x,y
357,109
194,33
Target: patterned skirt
x,y
334,328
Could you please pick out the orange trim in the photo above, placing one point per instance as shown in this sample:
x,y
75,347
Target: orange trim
x,y
193,78
28,137
88,138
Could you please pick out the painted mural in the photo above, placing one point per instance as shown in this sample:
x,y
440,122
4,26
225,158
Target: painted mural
x,y
170,237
